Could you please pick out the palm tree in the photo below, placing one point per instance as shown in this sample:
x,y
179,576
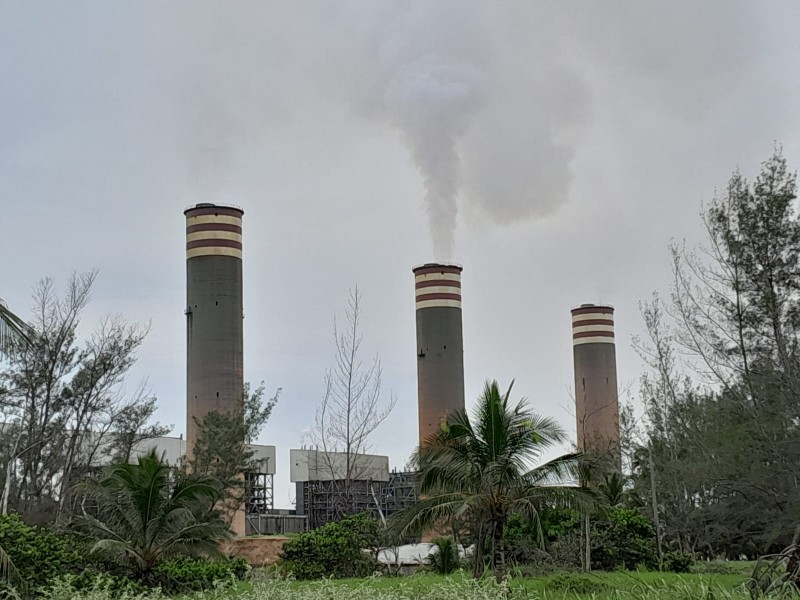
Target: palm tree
x,y
482,471
143,516
12,329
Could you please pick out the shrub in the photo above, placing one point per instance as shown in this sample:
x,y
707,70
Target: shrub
x,y
91,580
38,554
576,583
443,558
677,562
176,575
623,540
333,550
63,588
716,567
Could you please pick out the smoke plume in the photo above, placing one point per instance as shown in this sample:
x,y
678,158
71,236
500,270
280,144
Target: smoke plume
x,y
485,129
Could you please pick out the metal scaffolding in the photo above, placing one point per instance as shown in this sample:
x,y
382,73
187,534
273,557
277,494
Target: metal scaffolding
x,y
258,493
328,501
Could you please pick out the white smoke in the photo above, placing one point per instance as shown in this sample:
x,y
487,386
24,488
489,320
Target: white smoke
x,y
484,125
432,101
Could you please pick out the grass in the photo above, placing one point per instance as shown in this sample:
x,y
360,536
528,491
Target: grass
x,y
562,586
725,585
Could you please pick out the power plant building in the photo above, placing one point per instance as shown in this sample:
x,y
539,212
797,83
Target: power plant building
x,y
596,394
325,493
440,345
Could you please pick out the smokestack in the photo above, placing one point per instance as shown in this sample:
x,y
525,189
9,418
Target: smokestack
x,y
596,397
440,344
214,312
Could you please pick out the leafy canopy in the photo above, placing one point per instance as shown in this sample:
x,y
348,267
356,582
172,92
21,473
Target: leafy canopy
x,y
146,513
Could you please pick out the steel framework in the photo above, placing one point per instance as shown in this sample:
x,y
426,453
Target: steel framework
x,y
327,501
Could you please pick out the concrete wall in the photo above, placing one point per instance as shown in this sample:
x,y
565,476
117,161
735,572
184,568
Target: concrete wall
x,y
315,465
258,551
174,451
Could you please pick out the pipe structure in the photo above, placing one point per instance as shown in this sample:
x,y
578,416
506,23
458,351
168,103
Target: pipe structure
x,y
440,345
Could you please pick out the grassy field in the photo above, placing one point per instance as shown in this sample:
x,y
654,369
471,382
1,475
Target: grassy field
x,y
596,586
715,582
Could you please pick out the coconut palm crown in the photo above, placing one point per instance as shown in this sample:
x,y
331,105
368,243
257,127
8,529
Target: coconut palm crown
x,y
483,470
145,513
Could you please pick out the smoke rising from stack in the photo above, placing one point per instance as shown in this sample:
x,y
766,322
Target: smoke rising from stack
x,y
490,100
480,135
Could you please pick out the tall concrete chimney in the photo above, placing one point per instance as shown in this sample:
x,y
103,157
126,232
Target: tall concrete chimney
x,y
214,313
440,345
596,396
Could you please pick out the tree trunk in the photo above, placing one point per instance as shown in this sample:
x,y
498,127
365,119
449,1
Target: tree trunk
x,y
586,558
7,486
498,551
477,558
654,500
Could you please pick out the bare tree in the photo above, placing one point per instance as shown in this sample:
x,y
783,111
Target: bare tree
x,y
63,402
351,409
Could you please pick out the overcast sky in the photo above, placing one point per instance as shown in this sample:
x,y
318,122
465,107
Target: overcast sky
x,y
554,149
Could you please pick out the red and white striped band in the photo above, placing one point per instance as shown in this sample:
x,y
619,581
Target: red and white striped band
x,y
213,231
592,325
437,286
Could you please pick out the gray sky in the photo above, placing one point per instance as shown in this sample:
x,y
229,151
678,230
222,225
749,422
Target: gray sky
x,y
554,149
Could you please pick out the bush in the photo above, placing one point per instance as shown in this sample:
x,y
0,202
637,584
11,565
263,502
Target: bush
x,y
333,550
578,584
92,580
38,554
177,575
64,588
443,558
677,562
624,539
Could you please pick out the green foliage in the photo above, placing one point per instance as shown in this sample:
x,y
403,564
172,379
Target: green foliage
x,y
180,575
39,555
606,586
333,550
677,562
92,578
624,539
219,452
97,588
577,583
722,396
144,517
481,471
443,558
256,411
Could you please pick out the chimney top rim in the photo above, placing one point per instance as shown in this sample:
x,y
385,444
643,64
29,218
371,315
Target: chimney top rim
x,y
201,205
433,265
592,305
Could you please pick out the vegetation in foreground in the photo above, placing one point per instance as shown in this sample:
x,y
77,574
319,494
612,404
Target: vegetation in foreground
x,y
483,471
610,586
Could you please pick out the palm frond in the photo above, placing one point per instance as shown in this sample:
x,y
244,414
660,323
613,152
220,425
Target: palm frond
x,y
13,330
8,572
563,469
143,516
